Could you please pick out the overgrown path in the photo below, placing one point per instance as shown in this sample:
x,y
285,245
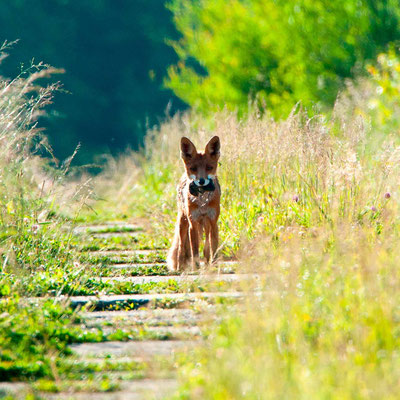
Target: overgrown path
x,y
138,318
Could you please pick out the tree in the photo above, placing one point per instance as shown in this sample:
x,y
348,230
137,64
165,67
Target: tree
x,y
115,57
275,52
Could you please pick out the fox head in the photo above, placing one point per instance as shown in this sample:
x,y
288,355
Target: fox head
x,y
201,168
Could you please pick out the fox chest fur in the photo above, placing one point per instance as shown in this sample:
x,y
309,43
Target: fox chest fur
x,y
204,205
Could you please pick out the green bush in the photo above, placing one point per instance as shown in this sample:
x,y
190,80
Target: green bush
x,y
382,104
275,52
32,337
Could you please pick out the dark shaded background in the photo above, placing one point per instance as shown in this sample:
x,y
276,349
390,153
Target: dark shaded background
x,y
115,57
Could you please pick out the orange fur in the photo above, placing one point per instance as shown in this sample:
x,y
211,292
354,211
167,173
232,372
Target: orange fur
x,y
196,214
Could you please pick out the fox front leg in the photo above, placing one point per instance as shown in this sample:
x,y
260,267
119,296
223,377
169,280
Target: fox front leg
x,y
194,243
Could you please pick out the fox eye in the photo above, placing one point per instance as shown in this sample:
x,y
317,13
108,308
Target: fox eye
x,y
193,169
209,168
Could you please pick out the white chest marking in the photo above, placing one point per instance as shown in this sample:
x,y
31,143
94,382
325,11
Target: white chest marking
x,y
204,212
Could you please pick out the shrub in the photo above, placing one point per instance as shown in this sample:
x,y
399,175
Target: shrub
x,y
275,52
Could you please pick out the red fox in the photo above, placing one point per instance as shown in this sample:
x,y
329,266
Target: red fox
x,y
199,196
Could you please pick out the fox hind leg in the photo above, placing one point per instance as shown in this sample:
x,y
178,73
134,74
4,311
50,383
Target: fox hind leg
x,y
183,239
178,255
172,259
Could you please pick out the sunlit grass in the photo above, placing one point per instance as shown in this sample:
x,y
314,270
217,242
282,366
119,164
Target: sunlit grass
x,y
299,173
325,325
312,205
36,258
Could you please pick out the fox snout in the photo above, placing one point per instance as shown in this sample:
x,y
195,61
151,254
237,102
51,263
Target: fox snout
x,y
201,181
201,185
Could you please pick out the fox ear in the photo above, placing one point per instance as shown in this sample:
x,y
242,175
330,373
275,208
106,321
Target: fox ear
x,y
188,149
213,146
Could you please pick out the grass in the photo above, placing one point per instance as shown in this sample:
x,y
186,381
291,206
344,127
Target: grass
x,y
115,243
36,256
32,337
313,204
35,340
30,240
298,175
105,260
112,229
138,270
326,325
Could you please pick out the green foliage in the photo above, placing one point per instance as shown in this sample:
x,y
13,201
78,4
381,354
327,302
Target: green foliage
x,y
373,101
139,270
34,341
31,337
275,52
382,106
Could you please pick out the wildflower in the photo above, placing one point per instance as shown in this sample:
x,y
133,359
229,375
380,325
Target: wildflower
x,y
260,219
26,221
42,216
374,209
219,352
76,264
34,228
387,195
295,198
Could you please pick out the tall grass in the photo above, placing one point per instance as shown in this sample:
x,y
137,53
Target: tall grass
x,y
324,324
312,204
300,173
36,258
317,205
32,240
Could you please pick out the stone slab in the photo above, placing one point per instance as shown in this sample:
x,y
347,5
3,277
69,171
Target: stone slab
x,y
144,389
156,317
126,253
224,267
136,301
137,349
124,227
183,278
